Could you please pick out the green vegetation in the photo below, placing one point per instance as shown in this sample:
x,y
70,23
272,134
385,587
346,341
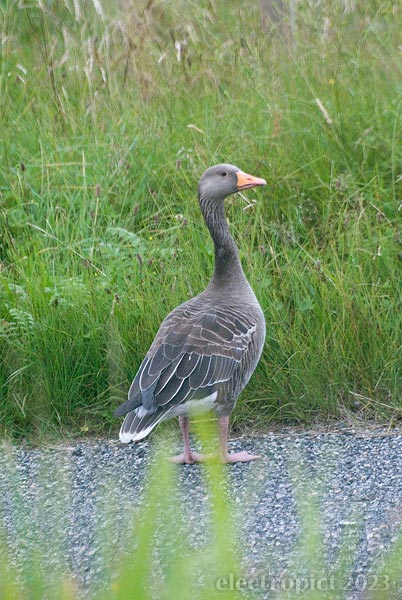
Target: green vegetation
x,y
109,113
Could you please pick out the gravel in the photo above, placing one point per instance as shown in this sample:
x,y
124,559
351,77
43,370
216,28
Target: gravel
x,y
74,499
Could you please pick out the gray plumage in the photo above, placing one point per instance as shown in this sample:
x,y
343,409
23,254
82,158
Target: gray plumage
x,y
207,348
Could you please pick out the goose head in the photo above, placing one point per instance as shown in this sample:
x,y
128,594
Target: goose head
x,y
221,180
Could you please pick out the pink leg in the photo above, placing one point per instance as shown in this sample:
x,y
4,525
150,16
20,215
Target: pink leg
x,y
223,440
188,457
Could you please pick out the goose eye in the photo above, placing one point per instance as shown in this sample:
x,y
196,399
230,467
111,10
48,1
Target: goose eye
x,y
223,173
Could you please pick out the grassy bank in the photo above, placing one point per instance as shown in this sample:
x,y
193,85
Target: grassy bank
x,y
110,112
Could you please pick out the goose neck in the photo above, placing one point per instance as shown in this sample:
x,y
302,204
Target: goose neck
x,y
228,270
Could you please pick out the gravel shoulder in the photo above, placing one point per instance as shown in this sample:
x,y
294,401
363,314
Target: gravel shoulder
x,y
87,488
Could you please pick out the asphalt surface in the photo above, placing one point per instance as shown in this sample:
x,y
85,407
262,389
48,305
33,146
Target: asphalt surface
x,y
75,498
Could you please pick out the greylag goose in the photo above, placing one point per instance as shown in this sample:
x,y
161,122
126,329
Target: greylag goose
x,y
207,348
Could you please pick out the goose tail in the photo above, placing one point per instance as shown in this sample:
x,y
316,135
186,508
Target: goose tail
x,y
139,423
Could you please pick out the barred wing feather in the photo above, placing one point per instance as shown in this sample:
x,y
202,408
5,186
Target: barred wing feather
x,y
196,349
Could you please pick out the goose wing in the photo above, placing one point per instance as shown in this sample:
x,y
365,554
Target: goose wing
x,y
196,348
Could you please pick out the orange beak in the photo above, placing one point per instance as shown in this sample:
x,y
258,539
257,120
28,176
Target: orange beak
x,y
244,181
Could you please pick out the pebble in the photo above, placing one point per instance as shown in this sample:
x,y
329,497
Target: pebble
x,y
73,499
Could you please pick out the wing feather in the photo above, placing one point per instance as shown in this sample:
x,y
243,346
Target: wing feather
x,y
196,349
158,361
167,375
199,375
174,396
187,364
169,391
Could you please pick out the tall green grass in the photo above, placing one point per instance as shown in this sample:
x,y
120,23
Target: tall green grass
x,y
109,114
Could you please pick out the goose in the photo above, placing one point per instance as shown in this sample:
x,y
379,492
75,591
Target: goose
x,y
206,349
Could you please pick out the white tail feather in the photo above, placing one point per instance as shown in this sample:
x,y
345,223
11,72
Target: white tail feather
x,y
134,432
